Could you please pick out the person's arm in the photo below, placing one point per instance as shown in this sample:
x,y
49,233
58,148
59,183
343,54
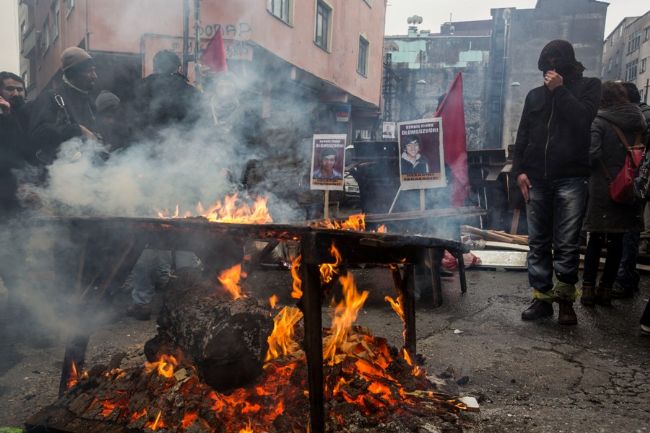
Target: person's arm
x,y
579,111
521,143
44,128
596,147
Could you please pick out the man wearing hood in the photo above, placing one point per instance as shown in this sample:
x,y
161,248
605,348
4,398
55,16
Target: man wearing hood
x,y
61,114
551,165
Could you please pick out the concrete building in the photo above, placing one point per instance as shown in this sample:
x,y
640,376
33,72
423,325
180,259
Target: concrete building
x,y
325,51
420,66
626,53
9,58
518,36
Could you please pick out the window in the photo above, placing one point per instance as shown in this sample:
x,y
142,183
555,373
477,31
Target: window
x,y
362,64
323,24
631,70
55,21
282,9
634,42
46,36
69,5
23,29
647,34
643,65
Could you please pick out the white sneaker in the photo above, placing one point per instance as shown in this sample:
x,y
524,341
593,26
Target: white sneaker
x,y
645,330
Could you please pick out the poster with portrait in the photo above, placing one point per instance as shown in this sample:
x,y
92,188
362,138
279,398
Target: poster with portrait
x,y
421,154
328,162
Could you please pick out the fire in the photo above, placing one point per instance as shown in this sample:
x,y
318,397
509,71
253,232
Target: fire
x,y
188,419
296,292
157,423
248,428
382,229
164,366
356,223
273,301
281,341
396,305
108,407
345,314
74,377
230,281
328,270
417,371
231,210
137,415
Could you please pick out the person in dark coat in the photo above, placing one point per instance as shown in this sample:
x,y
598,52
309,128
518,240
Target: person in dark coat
x,y
607,221
165,98
61,114
13,139
627,278
551,165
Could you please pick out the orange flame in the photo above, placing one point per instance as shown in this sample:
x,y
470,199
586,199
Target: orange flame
x,y
188,419
328,270
396,305
230,281
137,415
296,292
417,371
73,379
281,340
108,407
382,229
273,301
356,222
164,366
248,428
233,211
157,423
345,314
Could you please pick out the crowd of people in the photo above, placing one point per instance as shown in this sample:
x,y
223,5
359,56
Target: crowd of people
x,y
31,135
575,136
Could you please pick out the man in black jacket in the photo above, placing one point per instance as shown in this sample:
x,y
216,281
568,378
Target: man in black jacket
x,y
551,164
61,114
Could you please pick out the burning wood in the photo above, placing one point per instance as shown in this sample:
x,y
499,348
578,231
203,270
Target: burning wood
x,y
231,210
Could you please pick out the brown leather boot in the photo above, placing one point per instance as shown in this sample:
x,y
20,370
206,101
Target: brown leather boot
x,y
567,315
588,298
603,296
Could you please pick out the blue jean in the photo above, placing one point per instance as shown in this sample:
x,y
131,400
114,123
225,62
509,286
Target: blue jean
x,y
555,211
628,277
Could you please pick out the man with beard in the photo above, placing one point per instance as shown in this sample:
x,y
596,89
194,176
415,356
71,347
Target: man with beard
x,y
61,114
13,138
551,165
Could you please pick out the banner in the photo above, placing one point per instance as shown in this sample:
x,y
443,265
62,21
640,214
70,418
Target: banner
x,y
328,162
421,154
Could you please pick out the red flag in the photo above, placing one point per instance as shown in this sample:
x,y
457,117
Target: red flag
x,y
214,55
453,129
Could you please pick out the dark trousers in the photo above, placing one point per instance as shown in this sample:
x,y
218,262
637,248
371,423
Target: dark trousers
x,y
627,276
645,319
555,211
614,243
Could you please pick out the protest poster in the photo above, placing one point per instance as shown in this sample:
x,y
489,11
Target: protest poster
x,y
328,162
421,154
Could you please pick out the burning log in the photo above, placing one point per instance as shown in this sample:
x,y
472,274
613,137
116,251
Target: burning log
x,y
225,338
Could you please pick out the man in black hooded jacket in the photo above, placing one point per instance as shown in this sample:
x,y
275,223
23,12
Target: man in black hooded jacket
x,y
551,165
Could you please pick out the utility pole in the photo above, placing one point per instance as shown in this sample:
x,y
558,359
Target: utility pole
x,y
186,36
197,40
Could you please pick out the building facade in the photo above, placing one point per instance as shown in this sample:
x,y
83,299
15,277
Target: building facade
x,y
518,36
420,66
328,51
626,53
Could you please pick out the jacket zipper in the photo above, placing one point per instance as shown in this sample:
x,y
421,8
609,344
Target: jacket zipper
x,y
548,137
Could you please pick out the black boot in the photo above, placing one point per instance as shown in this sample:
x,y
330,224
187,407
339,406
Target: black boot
x,y
567,315
537,310
603,296
588,298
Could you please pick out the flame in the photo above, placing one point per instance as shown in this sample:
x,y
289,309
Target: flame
x,y
356,222
396,305
230,281
281,341
157,423
417,371
296,292
137,415
328,270
108,407
75,377
273,301
188,419
345,314
248,428
164,366
382,229
233,211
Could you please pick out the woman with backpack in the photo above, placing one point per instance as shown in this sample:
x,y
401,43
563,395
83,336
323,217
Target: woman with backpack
x,y
616,137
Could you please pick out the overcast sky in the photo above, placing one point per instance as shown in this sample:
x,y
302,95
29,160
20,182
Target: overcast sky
x,y
436,12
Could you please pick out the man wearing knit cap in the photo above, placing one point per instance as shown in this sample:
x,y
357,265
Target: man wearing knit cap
x,y
68,111
551,165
